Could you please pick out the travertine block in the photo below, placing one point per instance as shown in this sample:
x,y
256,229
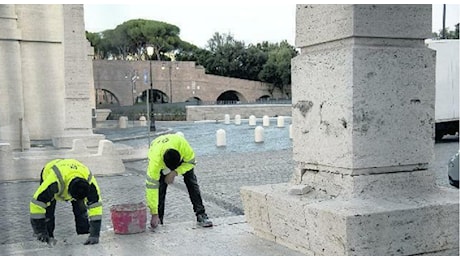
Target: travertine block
x,y
386,225
324,23
361,108
79,146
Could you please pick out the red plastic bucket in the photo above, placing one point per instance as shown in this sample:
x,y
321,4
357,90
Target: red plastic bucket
x,y
128,218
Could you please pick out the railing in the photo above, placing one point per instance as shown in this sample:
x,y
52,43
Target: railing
x,y
176,111
234,102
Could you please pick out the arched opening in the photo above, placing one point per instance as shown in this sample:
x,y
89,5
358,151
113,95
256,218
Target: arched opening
x,y
156,96
193,101
106,98
263,99
229,97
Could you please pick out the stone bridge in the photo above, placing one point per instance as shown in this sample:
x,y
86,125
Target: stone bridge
x,y
128,82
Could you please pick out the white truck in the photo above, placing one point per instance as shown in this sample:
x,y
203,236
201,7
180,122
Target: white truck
x,y
447,94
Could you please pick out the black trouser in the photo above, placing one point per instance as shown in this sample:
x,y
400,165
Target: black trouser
x,y
79,211
193,192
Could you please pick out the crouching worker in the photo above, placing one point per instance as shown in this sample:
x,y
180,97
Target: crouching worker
x,y
66,180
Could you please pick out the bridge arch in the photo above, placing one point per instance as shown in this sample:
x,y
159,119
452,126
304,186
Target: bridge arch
x,y
156,95
230,96
264,98
106,97
194,100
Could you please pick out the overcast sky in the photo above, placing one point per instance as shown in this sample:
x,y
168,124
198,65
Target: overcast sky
x,y
249,21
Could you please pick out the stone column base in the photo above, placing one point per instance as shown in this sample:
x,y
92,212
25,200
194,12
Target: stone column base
x,y
17,166
318,224
66,141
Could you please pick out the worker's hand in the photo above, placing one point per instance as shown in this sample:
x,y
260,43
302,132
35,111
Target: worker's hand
x,y
91,241
39,228
170,177
154,221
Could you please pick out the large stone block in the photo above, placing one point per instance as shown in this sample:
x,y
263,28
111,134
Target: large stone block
x,y
371,185
316,224
324,23
49,17
361,107
66,141
80,117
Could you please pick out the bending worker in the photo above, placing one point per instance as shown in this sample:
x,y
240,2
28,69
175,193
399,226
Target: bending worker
x,y
171,155
66,180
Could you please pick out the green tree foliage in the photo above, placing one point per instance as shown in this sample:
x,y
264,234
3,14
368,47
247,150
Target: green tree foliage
x,y
265,61
187,52
277,69
95,40
450,34
131,38
225,56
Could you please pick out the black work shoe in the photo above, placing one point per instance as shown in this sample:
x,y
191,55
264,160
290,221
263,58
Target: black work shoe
x,y
202,220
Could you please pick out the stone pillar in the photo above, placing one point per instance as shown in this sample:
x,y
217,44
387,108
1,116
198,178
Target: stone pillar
x,y
11,85
78,74
363,117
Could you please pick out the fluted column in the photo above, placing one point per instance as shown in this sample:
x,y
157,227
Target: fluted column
x,y
12,128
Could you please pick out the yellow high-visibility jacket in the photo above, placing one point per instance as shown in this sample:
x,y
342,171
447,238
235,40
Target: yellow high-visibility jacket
x,y
57,175
156,164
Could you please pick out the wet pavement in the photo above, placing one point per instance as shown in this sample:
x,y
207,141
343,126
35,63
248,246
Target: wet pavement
x,y
221,172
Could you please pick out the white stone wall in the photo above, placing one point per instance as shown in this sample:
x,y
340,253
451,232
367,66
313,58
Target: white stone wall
x,y
11,94
42,65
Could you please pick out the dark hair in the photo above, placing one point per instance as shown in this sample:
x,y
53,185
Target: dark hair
x,y
79,188
172,159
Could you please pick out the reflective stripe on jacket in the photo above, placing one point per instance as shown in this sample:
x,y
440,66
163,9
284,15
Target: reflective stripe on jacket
x,y
155,155
56,177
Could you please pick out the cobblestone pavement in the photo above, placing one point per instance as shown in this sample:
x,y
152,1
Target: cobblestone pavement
x,y
221,172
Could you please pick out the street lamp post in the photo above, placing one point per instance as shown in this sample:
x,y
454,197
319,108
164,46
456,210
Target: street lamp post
x,y
170,79
152,115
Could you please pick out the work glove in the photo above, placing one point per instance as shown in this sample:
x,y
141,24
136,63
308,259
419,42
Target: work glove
x,y
39,227
170,177
94,231
154,221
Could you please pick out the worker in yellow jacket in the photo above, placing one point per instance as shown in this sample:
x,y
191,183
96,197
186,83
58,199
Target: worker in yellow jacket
x,y
66,180
171,155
